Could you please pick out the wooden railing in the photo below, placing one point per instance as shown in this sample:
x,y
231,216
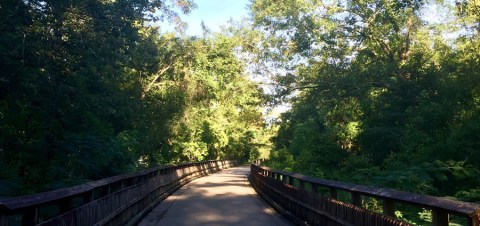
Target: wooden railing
x,y
298,196
118,200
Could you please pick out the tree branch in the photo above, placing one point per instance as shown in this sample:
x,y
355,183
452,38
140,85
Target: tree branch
x,y
150,85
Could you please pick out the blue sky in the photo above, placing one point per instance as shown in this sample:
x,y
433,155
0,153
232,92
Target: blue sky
x,y
214,13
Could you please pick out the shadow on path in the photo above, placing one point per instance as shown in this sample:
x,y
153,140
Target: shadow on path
x,y
223,198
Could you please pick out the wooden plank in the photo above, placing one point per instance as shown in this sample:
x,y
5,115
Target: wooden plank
x,y
49,196
65,204
3,220
440,217
475,218
464,209
389,207
333,193
474,221
41,198
30,217
28,205
356,199
302,184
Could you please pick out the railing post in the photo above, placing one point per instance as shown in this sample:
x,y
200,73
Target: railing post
x,y
3,220
123,185
356,199
333,193
475,219
440,217
30,217
88,197
64,205
389,207
290,180
302,184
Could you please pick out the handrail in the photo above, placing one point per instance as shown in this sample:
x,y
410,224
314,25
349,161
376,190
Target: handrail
x,y
441,207
111,201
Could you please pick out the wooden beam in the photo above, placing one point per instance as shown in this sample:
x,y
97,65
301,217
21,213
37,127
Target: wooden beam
x,y
30,217
3,220
440,217
302,184
333,193
290,180
389,207
356,199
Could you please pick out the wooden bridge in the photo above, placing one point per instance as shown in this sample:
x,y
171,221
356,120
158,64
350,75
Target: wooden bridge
x,y
156,197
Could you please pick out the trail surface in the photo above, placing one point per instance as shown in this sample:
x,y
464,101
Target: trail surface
x,y
223,198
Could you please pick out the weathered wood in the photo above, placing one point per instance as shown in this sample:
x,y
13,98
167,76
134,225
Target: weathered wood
x,y
3,219
315,188
389,207
356,199
87,196
30,216
475,218
460,208
440,217
471,211
333,193
111,201
302,185
321,211
65,204
41,198
290,180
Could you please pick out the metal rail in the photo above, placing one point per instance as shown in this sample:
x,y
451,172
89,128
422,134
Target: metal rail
x,y
118,200
309,206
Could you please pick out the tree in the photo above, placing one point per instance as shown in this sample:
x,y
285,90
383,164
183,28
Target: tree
x,y
71,87
376,87
222,105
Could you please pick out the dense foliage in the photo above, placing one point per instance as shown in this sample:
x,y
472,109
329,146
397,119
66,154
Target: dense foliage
x,y
88,90
383,92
